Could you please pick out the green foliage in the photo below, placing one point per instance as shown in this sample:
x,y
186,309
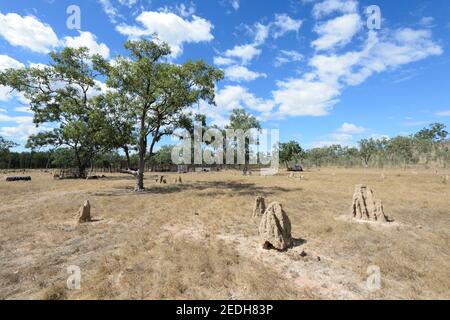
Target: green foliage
x,y
157,93
5,145
163,156
61,93
290,152
63,158
367,149
239,119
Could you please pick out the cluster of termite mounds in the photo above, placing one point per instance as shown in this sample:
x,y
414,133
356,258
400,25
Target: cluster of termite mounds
x,y
163,180
274,225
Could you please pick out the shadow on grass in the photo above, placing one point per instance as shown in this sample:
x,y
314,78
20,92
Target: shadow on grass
x,y
214,187
296,242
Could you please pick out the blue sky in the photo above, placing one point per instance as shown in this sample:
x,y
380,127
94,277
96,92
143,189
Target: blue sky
x,y
311,68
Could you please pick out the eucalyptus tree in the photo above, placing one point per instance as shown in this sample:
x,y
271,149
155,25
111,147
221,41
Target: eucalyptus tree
x,y
158,93
61,96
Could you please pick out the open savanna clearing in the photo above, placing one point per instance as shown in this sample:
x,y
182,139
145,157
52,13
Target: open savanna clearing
x,y
197,240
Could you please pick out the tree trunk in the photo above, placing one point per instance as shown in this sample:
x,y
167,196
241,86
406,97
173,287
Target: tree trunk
x,y
127,154
139,186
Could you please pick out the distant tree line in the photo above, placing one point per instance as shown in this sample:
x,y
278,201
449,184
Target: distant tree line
x,y
428,147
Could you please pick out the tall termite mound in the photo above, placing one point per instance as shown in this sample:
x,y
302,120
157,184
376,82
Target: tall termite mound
x,y
84,214
259,207
366,207
275,228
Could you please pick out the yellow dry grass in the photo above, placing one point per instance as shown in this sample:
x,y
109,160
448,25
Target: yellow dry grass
x,y
198,241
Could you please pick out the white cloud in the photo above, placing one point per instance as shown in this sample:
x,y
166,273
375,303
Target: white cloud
x,y
27,32
305,97
19,127
350,128
23,109
18,119
20,131
318,91
235,4
345,140
261,33
244,52
232,97
241,73
283,24
7,62
337,32
89,40
128,3
327,7
170,28
222,61
111,11
445,113
426,21
185,11
287,56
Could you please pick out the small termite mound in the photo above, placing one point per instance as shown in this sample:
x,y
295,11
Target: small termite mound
x,y
161,179
84,214
259,207
366,207
275,228
179,180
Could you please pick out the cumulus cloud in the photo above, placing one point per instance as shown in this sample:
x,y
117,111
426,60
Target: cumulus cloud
x,y
18,127
171,28
287,56
327,7
27,32
350,128
344,136
241,73
337,32
7,62
284,24
234,97
316,92
240,56
89,40
305,97
245,53
222,61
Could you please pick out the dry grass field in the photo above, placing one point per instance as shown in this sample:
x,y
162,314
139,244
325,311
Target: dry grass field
x,y
198,241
